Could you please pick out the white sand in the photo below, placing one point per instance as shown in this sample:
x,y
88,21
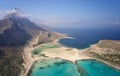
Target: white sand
x,y
70,54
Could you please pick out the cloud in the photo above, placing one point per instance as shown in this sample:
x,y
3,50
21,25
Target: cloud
x,y
18,12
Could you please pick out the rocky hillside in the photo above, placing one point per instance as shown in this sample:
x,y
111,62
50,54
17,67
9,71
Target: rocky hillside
x,y
15,32
106,50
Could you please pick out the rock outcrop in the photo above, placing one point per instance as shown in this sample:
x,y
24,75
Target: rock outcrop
x,y
106,50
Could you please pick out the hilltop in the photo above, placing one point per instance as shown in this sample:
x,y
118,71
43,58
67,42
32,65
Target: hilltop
x,y
17,32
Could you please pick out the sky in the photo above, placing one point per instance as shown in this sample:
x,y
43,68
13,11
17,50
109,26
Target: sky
x,y
69,13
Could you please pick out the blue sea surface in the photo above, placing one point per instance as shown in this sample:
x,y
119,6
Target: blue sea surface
x,y
86,37
83,39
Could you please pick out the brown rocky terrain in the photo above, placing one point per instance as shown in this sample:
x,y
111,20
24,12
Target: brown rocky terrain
x,y
15,33
106,50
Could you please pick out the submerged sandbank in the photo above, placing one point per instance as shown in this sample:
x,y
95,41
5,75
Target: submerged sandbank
x,y
62,52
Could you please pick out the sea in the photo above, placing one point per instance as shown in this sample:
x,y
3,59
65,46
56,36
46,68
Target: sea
x,y
82,38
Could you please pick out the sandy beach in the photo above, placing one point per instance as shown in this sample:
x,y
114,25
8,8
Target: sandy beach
x,y
71,54
62,52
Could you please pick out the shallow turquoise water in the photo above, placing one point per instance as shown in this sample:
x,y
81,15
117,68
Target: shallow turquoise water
x,y
58,67
54,68
96,68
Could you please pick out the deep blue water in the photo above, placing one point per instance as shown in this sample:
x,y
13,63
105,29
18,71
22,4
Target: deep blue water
x,y
85,37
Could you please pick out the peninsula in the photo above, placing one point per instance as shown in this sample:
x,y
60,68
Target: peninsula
x,y
54,50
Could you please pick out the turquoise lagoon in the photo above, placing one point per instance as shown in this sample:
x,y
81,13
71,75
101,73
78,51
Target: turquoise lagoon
x,y
96,68
58,67
54,67
83,39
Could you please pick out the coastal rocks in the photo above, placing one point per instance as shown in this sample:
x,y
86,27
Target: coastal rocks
x,y
106,47
107,51
110,46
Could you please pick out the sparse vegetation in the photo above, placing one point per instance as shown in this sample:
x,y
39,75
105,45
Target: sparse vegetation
x,y
110,51
113,59
11,61
15,32
43,47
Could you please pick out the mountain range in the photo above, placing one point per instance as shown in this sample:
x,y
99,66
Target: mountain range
x,y
16,31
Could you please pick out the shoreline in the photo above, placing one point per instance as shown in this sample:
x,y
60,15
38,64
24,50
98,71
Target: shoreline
x,y
104,62
109,64
84,57
31,60
27,56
